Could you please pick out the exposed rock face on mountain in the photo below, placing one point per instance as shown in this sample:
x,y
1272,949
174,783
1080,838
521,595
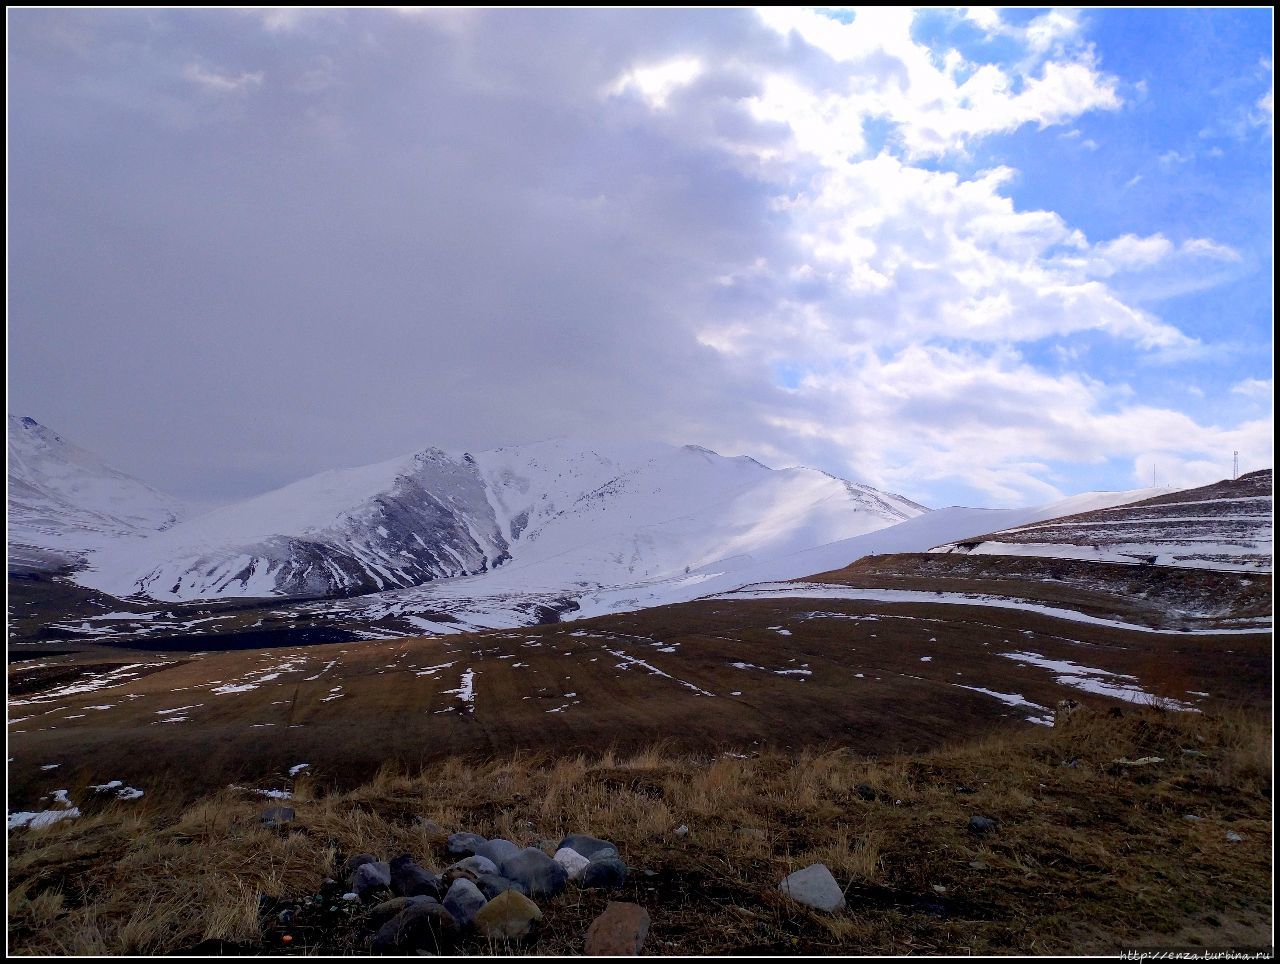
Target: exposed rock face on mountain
x,y
568,513
65,502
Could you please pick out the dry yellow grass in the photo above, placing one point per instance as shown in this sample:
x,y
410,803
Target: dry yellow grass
x,y
1090,854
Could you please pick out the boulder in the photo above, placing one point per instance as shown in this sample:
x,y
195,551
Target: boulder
x,y
411,880
464,844
419,927
497,850
491,885
477,864
572,862
464,901
371,877
511,916
603,872
619,931
981,825
353,863
589,847
381,913
814,887
536,872
276,817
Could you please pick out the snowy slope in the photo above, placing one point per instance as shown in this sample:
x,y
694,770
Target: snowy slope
x,y
1227,525
917,534
397,523
65,502
515,594
558,515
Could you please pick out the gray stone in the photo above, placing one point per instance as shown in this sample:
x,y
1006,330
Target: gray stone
x,y
353,863
491,885
538,873
370,877
477,864
510,916
497,850
276,817
618,932
419,927
379,914
603,872
464,844
1233,837
981,825
411,880
464,901
814,887
572,862
589,847
457,873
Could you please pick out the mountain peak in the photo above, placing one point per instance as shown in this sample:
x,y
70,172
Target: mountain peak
x,y
64,501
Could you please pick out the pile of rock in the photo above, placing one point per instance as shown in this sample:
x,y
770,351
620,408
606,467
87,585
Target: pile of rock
x,y
490,889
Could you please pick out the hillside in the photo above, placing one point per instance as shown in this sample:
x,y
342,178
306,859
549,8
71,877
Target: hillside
x,y
1227,525
64,502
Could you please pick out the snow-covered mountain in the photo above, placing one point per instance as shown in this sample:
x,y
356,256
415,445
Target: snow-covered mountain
x,y
65,502
563,513
516,594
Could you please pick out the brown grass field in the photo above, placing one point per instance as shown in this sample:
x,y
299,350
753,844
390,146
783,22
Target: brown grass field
x,y
1091,855
872,677
627,726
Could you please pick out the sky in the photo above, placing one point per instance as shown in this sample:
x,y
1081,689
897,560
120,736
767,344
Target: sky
x,y
982,257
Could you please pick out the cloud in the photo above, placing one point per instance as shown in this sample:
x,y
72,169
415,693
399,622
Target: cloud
x,y
941,108
776,233
219,81
655,82
1255,388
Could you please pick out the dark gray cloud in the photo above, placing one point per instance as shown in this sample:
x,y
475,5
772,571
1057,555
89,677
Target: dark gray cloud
x,y
388,236
246,247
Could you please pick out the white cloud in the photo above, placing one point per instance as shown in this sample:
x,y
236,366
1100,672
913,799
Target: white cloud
x,y
221,82
1258,389
934,110
1130,251
1210,249
656,82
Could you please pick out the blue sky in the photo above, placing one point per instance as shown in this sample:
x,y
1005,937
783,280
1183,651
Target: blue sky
x,y
984,257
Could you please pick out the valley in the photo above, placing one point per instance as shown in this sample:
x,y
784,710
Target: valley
x,y
775,621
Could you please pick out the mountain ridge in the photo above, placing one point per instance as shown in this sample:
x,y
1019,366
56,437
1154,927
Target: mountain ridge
x,y
621,512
